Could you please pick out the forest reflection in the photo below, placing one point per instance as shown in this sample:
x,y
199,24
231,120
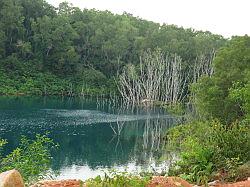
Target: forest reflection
x,y
92,133
108,145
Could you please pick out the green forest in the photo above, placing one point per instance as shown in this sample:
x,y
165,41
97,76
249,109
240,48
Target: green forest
x,y
67,51
46,50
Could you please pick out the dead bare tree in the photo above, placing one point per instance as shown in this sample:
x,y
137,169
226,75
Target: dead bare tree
x,y
203,65
159,77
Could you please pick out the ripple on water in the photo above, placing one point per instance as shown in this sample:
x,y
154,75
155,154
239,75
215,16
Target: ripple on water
x,y
85,117
85,135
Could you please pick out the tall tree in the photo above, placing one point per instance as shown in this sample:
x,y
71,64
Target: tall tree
x,y
216,96
11,21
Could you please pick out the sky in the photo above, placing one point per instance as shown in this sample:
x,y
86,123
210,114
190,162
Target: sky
x,y
225,17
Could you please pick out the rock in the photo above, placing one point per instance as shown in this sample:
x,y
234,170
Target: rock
x,y
213,183
11,178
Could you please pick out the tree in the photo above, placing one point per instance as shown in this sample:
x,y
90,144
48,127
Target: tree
x,y
224,95
67,42
11,21
54,37
158,78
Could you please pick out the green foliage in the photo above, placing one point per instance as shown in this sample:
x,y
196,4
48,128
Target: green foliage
x,y
2,143
115,179
81,47
209,147
225,95
196,160
242,172
240,93
175,109
31,158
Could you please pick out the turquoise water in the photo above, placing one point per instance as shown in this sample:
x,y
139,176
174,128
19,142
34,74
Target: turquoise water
x,y
94,134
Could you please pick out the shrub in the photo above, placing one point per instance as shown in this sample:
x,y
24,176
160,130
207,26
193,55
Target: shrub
x,y
2,143
115,179
243,171
32,158
175,109
209,147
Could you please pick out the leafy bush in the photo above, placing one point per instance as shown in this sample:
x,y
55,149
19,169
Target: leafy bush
x,y
175,109
115,179
243,171
226,94
32,157
209,147
2,143
49,84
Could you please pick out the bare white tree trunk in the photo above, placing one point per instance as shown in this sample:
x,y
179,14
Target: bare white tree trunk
x,y
203,65
158,78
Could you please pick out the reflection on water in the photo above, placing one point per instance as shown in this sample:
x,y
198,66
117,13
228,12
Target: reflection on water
x,y
93,134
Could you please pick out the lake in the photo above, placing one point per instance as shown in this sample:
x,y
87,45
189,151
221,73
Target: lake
x,y
94,134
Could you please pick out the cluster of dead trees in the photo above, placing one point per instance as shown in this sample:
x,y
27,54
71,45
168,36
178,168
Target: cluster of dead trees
x,y
161,77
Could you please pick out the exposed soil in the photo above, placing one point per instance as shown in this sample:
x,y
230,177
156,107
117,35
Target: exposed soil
x,y
168,182
155,182
61,183
237,184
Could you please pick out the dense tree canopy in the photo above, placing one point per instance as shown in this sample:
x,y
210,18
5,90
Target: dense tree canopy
x,y
219,139
39,42
226,94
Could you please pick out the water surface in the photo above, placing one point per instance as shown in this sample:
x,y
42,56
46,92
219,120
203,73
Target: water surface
x,y
93,134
